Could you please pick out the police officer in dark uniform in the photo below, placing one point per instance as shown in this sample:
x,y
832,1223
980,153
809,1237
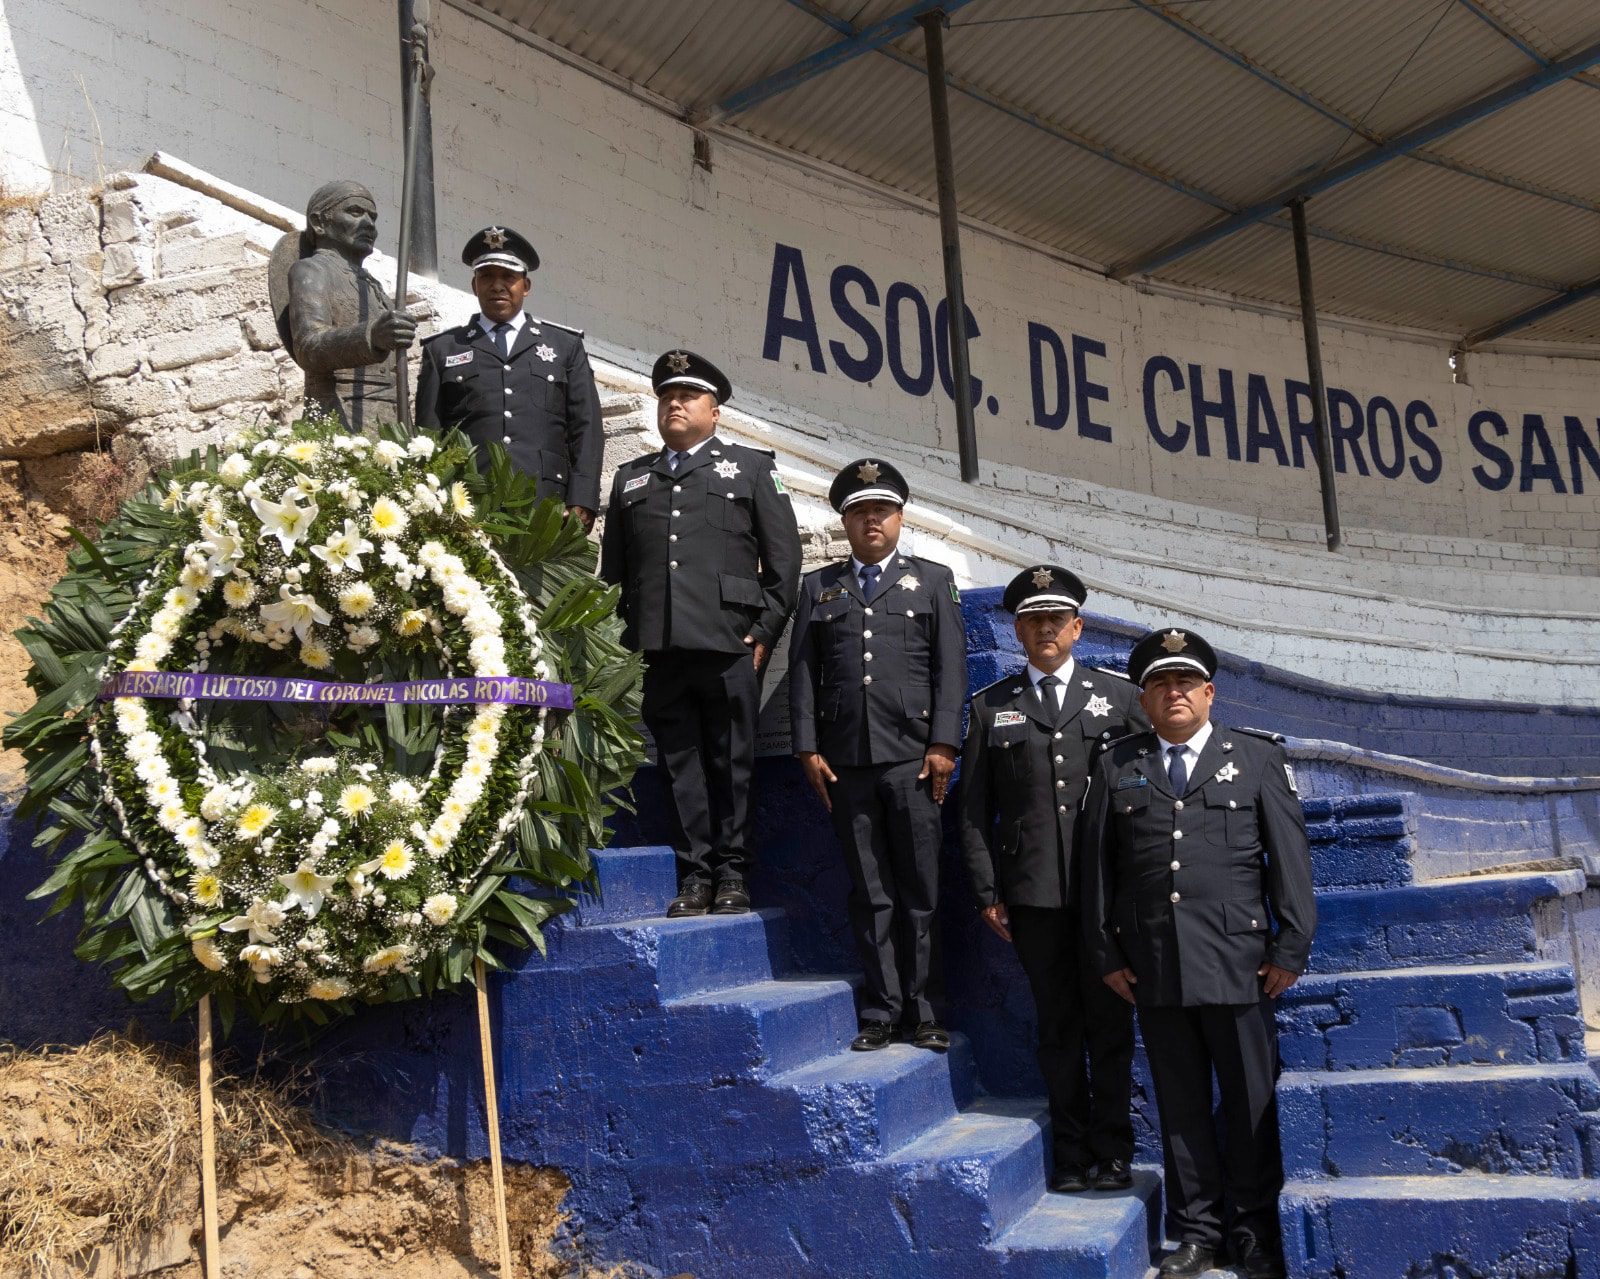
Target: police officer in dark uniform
x,y
1198,904
701,537
877,676
507,378
1032,739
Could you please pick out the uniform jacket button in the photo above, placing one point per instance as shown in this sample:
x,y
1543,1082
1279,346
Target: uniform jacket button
x,y
508,390
1059,758
866,657
1060,785
866,634
1177,834
505,439
1176,866
549,377
672,537
674,564
1176,897
677,488
911,612
506,368
508,412
1178,804
866,679
1058,737
1233,804
869,612
1061,808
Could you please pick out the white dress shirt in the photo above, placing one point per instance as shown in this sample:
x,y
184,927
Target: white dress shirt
x,y
1191,750
1062,673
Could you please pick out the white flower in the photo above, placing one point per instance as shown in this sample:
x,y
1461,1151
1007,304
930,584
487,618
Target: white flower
x,y
222,547
356,800
397,860
295,612
286,520
389,454
254,821
328,988
218,800
209,955
357,600
412,622
238,592
305,451
362,638
404,793
439,909
306,888
387,519
266,448
261,957
206,889
235,470
389,957
420,448
261,919
343,550
315,654
438,842
461,500
319,765
151,648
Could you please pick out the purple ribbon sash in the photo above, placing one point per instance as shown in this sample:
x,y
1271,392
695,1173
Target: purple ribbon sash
x,y
513,689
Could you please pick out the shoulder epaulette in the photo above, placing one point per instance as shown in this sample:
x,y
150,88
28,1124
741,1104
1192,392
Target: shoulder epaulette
x,y
1106,670
1263,733
442,333
539,319
976,693
1117,741
754,448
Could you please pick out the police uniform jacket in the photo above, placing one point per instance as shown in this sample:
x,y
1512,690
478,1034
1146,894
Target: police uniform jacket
x,y
1186,890
539,402
879,682
1024,770
704,556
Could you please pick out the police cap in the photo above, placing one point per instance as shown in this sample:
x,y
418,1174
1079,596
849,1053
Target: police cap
x,y
685,368
498,246
1044,588
868,479
1171,649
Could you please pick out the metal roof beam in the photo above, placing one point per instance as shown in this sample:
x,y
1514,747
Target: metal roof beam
x,y
1399,145
825,60
1532,315
1309,100
1509,34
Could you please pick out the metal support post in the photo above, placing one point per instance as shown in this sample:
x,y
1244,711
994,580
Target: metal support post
x,y
1319,393
950,236
424,219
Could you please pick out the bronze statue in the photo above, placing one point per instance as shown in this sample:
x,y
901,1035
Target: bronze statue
x,y
334,318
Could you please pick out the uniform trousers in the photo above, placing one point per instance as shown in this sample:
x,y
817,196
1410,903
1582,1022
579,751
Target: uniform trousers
x,y
889,826
701,709
1085,1038
1207,1189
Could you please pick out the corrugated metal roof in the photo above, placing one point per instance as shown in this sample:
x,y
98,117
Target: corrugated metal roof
x,y
1109,129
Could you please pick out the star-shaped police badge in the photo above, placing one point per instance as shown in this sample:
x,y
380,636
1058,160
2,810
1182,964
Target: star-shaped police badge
x,y
1098,706
727,470
545,352
868,472
1227,772
1174,641
678,361
909,583
495,237
1041,577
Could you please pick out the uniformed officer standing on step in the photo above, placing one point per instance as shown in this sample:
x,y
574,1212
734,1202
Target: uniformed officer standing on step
x,y
1201,850
507,378
1032,739
701,537
877,676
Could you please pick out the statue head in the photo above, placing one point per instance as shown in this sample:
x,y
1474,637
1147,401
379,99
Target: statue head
x,y
342,216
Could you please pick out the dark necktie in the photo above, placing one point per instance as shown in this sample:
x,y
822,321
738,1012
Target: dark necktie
x,y
1048,695
502,337
1177,774
869,580
674,458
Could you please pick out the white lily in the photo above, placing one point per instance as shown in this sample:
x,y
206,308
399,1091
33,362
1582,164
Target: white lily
x,y
344,549
260,920
295,612
306,888
286,520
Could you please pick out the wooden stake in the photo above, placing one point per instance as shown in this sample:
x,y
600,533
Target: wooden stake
x,y
491,1106
208,1150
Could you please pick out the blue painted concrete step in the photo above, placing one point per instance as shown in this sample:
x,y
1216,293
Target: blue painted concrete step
x,y
1537,1120
1486,1014
1479,919
763,1028
1092,1236
680,957
1485,1227
635,883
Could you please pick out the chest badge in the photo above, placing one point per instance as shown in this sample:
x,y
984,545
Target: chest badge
x,y
726,470
909,583
1227,772
544,351
1098,705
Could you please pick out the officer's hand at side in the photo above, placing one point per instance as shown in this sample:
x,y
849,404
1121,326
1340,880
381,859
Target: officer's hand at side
x,y
938,763
1122,981
818,774
1278,979
393,331
583,515
995,916
758,651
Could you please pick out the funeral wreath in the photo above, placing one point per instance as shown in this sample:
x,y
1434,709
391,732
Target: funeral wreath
x,y
295,734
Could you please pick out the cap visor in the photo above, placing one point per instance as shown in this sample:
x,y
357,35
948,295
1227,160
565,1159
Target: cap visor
x,y
507,260
1048,604
683,379
872,495
1176,662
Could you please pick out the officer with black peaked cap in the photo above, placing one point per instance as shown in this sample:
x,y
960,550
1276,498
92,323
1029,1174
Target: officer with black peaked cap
x,y
701,537
508,378
1198,905
877,675
1032,739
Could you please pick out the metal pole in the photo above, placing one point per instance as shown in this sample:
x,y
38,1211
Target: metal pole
x,y
950,236
1319,393
418,41
424,235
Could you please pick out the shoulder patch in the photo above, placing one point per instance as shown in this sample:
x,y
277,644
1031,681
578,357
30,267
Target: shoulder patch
x,y
556,324
1263,733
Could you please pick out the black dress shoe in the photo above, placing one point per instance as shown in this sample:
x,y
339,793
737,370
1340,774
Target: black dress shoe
x,y
732,898
874,1035
1069,1179
931,1035
1255,1262
694,898
1190,1259
1112,1174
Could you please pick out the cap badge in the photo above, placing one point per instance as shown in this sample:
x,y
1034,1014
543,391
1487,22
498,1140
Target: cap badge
x,y
1228,772
868,472
1041,577
678,361
726,470
495,237
1174,641
1098,706
545,352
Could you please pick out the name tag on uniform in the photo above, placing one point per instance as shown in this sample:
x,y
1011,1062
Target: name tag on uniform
x,y
1006,718
465,357
1128,783
834,594
638,481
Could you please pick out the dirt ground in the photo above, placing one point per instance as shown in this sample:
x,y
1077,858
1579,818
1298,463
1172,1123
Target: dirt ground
x,y
99,1158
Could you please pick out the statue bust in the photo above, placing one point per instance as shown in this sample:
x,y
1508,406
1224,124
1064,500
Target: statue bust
x,y
334,318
